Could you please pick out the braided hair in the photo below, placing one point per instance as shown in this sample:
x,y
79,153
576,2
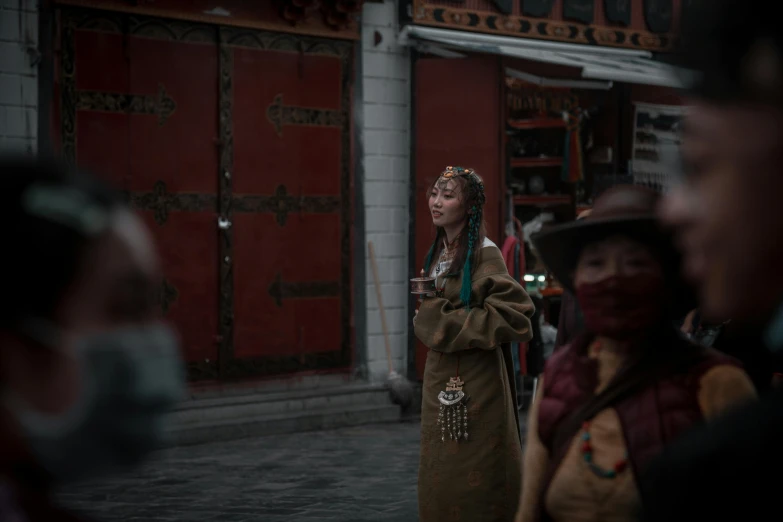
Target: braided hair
x,y
471,238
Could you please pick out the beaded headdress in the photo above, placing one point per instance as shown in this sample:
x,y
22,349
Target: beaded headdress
x,y
475,218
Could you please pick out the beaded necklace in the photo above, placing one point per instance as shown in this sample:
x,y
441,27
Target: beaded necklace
x,y
587,455
444,263
587,447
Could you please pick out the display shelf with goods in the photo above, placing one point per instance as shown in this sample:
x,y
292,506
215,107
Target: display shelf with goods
x,y
536,130
655,155
536,162
556,148
537,123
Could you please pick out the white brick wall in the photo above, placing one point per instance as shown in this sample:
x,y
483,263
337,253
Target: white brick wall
x,y
18,75
386,88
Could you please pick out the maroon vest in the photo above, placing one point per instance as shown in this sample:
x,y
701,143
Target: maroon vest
x,y
650,418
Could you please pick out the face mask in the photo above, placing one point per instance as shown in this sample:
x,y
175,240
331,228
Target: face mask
x,y
620,307
132,379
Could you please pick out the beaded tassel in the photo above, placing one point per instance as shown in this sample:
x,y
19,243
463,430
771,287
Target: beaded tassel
x,y
465,421
459,422
442,424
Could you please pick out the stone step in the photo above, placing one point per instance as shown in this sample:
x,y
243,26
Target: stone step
x,y
232,415
212,390
211,410
211,430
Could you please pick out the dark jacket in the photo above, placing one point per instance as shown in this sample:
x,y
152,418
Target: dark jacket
x,y
728,470
742,343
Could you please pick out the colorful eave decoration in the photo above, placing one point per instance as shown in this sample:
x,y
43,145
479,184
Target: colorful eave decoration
x,y
337,14
439,15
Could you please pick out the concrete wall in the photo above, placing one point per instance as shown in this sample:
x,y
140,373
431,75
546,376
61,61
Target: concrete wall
x,y
18,75
386,86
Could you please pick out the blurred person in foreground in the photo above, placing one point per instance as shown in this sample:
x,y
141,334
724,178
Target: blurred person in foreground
x,y
615,396
88,372
729,216
744,343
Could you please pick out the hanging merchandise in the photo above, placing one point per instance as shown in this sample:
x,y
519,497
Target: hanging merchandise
x,y
510,253
514,256
573,167
519,275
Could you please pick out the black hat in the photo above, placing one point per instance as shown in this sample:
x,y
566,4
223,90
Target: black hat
x,y
736,50
623,209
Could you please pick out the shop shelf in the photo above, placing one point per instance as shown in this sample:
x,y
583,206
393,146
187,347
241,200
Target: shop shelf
x,y
537,123
536,162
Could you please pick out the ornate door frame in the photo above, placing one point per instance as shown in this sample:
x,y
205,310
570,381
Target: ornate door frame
x,y
226,204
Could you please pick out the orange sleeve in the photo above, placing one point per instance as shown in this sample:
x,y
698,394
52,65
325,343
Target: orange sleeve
x,y
534,464
722,388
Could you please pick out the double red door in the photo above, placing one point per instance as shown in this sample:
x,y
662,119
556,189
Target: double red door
x,y
234,145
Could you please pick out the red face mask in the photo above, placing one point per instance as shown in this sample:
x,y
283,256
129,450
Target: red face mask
x,y
622,307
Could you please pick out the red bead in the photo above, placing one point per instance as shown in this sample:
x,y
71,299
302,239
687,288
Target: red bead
x,y
586,447
620,466
586,425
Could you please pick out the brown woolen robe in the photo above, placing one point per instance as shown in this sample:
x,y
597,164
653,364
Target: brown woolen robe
x,y
476,480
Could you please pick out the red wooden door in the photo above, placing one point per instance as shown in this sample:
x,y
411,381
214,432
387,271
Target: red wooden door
x,y
234,145
292,204
458,108
139,109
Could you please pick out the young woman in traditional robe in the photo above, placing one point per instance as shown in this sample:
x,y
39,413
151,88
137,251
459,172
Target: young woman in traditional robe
x,y
618,393
470,443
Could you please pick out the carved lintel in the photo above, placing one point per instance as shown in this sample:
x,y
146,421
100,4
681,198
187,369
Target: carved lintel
x,y
339,14
295,11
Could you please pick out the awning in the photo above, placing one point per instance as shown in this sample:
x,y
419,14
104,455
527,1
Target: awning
x,y
595,62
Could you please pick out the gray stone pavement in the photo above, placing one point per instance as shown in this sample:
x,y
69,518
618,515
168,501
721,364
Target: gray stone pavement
x,y
356,474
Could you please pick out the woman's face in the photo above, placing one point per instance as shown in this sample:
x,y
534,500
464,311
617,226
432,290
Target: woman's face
x,y
446,205
615,256
115,286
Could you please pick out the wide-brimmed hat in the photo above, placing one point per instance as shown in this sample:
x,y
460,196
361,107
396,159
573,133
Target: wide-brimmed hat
x,y
627,210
